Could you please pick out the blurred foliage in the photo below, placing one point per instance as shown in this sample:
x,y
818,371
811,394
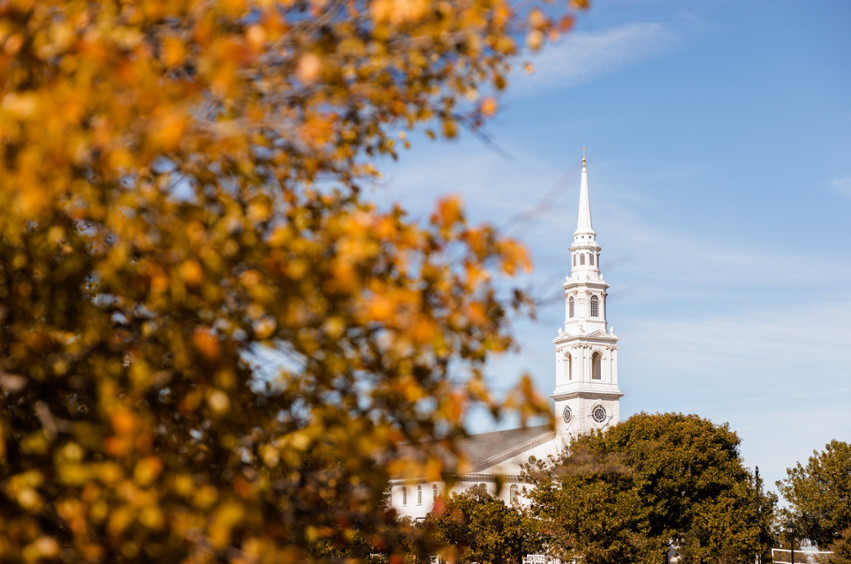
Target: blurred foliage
x,y
179,195
819,494
476,527
652,482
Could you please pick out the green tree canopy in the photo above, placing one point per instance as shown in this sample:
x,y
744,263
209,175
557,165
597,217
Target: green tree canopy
x,y
648,483
820,493
180,193
480,528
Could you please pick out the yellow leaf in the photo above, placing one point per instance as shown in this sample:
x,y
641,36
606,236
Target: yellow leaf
x,y
218,401
534,39
147,470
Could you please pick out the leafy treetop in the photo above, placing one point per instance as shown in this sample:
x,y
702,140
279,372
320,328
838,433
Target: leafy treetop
x,y
652,482
820,493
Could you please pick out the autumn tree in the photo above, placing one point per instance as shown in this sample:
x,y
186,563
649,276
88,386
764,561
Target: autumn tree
x,y
819,494
179,196
648,484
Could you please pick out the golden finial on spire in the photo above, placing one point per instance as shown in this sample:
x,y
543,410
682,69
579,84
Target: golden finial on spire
x,y
583,155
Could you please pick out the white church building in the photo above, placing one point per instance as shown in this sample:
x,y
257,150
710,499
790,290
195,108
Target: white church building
x,y
586,387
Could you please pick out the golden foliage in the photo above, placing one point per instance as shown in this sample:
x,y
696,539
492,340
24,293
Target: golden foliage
x,y
178,197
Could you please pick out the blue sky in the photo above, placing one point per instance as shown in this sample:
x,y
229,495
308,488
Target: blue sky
x,y
719,159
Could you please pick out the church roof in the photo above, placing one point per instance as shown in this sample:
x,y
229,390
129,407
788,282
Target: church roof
x,y
488,446
485,449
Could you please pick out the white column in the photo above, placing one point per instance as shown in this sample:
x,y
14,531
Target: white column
x,y
559,369
615,366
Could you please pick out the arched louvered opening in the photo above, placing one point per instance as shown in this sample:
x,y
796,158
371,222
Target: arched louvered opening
x,y
582,259
569,366
597,366
591,259
595,306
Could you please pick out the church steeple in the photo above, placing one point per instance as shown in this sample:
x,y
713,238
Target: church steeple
x,y
586,394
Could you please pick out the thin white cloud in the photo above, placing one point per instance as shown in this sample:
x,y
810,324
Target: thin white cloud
x,y
583,56
808,341
673,263
842,186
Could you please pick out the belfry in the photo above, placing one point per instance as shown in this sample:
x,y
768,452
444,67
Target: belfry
x,y
586,393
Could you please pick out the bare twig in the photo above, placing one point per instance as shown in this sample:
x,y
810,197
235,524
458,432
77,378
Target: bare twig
x,y
544,205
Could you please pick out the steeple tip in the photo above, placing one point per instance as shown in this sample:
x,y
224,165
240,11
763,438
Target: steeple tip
x,y
584,223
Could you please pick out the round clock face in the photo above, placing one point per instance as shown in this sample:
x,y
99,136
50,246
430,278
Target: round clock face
x,y
567,414
599,414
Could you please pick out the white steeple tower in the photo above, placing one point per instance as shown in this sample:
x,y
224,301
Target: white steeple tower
x,y
586,394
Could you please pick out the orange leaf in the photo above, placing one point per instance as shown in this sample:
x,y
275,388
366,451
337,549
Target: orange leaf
x,y
489,106
448,211
206,343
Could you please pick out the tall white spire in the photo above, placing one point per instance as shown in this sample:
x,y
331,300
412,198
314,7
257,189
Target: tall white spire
x,y
585,253
586,393
583,226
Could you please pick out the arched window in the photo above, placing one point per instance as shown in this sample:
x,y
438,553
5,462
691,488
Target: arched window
x,y
597,366
419,495
404,495
434,491
570,307
569,367
582,258
591,259
513,493
595,306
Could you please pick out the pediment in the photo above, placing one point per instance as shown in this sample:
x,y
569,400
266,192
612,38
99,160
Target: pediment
x,y
598,334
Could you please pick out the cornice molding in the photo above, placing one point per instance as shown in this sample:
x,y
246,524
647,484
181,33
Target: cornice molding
x,y
584,394
597,338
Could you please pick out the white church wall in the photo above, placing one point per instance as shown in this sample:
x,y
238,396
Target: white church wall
x,y
406,500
